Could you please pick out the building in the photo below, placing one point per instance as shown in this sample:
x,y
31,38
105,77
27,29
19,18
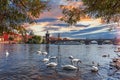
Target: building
x,y
1,38
13,38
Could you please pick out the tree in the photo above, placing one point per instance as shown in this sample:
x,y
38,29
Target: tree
x,y
108,10
35,40
72,15
11,38
13,13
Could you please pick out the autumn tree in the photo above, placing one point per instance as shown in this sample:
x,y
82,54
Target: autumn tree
x,y
13,13
72,15
108,10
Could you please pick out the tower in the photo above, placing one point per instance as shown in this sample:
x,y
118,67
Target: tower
x,y
47,37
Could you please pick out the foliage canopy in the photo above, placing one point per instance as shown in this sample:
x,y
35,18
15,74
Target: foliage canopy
x,y
13,13
109,10
35,40
72,15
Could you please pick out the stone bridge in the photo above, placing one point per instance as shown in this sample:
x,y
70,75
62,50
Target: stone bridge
x,y
85,41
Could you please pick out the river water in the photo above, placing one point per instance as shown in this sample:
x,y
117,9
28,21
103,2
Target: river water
x,y
24,63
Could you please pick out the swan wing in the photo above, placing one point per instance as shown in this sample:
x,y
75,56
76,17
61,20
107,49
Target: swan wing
x,y
75,60
44,53
45,60
51,64
69,67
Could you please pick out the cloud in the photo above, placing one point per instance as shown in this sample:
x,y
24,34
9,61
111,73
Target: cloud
x,y
46,20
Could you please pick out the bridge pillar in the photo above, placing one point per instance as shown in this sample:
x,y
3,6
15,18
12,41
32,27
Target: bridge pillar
x,y
87,42
100,42
114,41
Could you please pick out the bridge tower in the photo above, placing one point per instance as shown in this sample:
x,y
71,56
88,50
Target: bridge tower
x,y
47,37
59,37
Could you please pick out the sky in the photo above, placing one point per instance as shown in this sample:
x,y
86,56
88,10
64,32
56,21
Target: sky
x,y
49,20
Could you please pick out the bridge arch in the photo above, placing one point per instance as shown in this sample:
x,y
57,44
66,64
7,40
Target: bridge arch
x,y
107,42
93,42
82,42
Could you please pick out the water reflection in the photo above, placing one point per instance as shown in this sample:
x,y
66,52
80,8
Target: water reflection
x,y
23,62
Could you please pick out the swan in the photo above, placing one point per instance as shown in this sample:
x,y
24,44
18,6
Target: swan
x,y
49,57
53,57
7,53
44,53
69,67
118,55
39,52
72,67
52,64
94,69
74,60
45,60
70,57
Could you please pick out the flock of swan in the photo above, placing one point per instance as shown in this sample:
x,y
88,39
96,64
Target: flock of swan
x,y
53,64
72,66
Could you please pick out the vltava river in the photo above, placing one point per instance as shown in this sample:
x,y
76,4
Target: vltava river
x,y
24,63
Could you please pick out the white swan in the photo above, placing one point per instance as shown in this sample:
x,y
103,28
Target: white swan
x,y
74,60
39,52
45,60
70,57
7,53
52,64
118,55
53,57
94,69
72,67
44,53
48,59
69,67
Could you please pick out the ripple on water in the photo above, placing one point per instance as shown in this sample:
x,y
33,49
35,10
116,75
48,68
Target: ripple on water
x,y
24,64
